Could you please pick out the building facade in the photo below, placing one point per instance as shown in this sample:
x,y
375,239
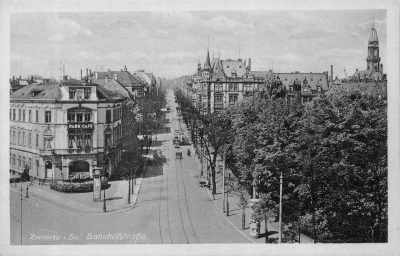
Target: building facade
x,y
61,129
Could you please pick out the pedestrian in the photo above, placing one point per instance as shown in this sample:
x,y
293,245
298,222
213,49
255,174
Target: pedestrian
x,y
188,152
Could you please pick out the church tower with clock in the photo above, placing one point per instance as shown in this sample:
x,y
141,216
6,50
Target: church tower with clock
x,y
373,58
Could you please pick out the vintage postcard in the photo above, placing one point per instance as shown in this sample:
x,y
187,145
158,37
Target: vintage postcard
x,y
201,128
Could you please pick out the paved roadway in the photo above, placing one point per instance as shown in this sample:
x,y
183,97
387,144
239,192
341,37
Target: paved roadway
x,y
171,208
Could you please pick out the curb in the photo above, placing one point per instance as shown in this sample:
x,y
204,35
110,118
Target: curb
x,y
139,184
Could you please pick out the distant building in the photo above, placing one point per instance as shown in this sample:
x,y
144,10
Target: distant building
x,y
221,83
61,129
374,69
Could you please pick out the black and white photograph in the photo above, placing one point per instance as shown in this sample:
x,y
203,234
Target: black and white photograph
x,y
212,128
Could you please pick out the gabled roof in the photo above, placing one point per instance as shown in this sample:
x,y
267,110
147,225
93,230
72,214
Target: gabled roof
x,y
143,77
238,65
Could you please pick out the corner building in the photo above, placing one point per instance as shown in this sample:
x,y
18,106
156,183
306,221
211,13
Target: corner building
x,y
61,129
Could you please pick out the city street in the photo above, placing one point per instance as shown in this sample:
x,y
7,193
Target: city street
x,y
171,208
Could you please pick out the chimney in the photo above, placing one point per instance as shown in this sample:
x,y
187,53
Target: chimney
x,y
81,74
19,77
106,78
249,64
331,72
90,73
356,69
87,75
125,68
381,68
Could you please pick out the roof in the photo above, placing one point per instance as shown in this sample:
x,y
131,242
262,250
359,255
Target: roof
x,y
260,74
237,65
44,92
313,79
123,77
143,77
118,88
103,93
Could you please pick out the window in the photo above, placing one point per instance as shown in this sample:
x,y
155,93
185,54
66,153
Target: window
x,y
23,115
30,116
14,114
19,115
37,140
19,138
247,87
37,116
29,140
13,159
305,89
87,140
218,87
233,87
19,161
140,92
108,116
11,141
218,99
115,77
319,89
71,116
30,163
87,116
79,116
87,94
10,114
233,99
48,143
23,139
47,115
79,143
291,88
72,93
14,138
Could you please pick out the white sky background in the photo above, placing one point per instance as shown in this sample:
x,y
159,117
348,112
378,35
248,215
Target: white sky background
x,y
169,44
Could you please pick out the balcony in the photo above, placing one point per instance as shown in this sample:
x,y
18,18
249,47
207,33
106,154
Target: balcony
x,y
86,150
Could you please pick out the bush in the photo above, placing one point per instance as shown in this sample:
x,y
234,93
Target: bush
x,y
80,178
67,187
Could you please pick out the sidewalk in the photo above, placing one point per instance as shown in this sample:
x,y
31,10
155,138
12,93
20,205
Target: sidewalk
x,y
82,203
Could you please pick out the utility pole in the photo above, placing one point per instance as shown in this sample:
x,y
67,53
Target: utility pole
x,y
280,210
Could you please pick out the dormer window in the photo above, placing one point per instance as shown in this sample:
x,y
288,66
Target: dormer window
x,y
72,93
319,88
305,89
115,76
291,88
87,93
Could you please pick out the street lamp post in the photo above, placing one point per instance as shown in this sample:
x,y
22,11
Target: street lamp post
x,y
104,197
227,196
280,210
223,185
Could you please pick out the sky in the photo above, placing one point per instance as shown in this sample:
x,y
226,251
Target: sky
x,y
170,44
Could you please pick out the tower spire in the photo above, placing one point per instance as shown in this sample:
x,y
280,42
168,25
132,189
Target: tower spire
x,y
207,65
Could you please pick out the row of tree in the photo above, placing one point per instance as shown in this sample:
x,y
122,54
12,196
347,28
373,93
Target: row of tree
x,y
331,152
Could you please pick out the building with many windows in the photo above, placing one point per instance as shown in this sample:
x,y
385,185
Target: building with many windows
x,y
61,129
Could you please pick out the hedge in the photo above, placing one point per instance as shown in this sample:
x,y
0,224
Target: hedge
x,y
67,187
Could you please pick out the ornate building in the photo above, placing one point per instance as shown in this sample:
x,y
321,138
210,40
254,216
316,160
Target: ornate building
x,y
374,69
60,129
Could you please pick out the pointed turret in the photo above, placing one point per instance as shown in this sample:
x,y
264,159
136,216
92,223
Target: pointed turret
x,y
207,65
373,37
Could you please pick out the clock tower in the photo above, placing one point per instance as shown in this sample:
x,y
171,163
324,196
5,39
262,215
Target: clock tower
x,y
373,58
